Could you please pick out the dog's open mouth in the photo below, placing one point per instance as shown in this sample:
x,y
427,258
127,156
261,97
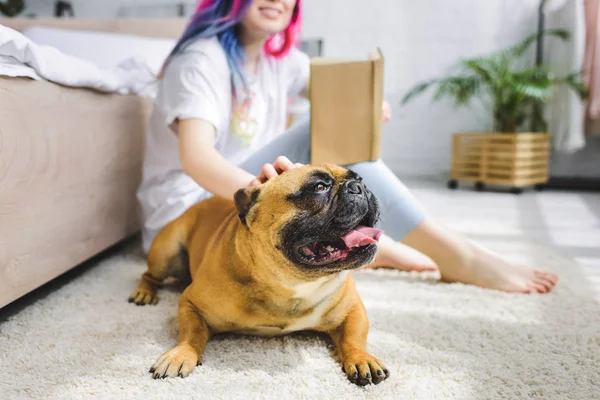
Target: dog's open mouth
x,y
325,252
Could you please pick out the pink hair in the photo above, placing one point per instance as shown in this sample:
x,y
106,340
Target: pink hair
x,y
278,45
220,17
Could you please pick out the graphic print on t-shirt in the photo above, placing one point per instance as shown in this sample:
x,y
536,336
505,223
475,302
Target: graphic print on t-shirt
x,y
248,115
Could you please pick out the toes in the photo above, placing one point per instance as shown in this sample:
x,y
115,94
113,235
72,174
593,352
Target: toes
x,y
159,371
166,369
377,374
548,285
364,374
174,370
138,297
351,372
141,298
547,277
148,298
539,288
534,288
156,369
133,296
543,283
179,361
366,371
186,369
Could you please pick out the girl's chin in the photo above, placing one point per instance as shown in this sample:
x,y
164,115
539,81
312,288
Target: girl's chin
x,y
264,30
269,27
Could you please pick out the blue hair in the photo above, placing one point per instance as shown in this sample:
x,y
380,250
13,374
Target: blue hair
x,y
218,18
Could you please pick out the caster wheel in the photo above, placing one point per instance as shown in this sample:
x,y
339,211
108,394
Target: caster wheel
x,y
516,190
539,187
452,184
479,186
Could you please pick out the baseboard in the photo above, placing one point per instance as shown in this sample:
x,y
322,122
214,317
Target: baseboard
x,y
573,183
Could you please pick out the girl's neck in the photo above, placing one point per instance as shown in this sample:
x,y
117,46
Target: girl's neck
x,y
253,46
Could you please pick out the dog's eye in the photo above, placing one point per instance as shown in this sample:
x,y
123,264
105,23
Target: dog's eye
x,y
320,187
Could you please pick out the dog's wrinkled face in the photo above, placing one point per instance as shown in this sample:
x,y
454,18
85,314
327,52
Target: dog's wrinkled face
x,y
318,218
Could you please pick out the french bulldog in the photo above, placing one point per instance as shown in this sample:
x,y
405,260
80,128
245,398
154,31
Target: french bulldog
x,y
273,260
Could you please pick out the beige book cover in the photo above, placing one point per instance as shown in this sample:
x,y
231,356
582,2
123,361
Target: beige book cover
x,y
346,99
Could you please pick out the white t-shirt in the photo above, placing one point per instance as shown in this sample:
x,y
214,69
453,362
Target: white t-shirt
x,y
198,84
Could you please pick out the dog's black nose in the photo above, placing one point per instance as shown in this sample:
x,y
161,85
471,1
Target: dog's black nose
x,y
353,187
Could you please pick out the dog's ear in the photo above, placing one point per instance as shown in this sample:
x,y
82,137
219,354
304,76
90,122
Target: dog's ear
x,y
245,199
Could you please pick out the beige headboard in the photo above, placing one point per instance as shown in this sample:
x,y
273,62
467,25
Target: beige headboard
x,y
151,27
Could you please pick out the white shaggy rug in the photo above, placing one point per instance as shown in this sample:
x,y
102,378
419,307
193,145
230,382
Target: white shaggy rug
x,y
440,341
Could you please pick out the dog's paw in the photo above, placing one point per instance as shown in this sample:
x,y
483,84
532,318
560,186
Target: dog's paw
x,y
364,369
179,361
142,296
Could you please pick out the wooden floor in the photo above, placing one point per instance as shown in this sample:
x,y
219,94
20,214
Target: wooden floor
x,y
567,221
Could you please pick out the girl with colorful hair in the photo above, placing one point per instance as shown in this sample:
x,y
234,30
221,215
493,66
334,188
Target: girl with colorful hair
x,y
219,124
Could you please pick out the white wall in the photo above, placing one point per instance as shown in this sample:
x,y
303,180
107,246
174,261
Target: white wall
x,y
419,40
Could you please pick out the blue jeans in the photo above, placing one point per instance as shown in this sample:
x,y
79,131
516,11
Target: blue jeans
x,y
400,211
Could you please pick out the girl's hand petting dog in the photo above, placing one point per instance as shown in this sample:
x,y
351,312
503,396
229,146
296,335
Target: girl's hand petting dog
x,y
269,171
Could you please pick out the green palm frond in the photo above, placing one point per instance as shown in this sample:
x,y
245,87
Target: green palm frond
x,y
485,68
462,88
521,48
420,88
535,91
536,73
536,84
573,80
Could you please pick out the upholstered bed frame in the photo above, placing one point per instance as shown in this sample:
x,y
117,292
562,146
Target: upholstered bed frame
x,y
70,164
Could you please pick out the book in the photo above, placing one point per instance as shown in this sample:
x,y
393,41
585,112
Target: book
x,y
346,98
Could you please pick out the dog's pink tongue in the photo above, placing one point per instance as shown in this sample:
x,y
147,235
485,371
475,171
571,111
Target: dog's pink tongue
x,y
362,236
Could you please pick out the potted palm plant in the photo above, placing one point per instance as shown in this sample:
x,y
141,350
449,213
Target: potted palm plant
x,y
516,153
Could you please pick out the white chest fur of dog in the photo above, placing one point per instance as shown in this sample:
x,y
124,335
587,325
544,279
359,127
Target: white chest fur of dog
x,y
313,293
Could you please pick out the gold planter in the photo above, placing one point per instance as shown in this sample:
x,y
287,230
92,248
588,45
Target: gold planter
x,y
515,160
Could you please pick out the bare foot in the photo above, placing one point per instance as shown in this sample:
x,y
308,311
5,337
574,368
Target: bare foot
x,y
486,269
461,260
396,255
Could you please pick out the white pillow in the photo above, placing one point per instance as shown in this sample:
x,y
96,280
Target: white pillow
x,y
104,49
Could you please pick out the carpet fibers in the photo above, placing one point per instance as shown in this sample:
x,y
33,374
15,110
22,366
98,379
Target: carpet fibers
x,y
440,341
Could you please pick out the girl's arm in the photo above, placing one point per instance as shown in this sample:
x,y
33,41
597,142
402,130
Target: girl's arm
x,y
204,164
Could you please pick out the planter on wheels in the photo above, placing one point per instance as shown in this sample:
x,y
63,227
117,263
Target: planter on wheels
x,y
513,160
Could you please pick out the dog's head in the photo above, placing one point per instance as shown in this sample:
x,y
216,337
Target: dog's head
x,y
318,219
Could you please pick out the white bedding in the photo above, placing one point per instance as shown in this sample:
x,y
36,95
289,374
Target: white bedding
x,y
21,57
